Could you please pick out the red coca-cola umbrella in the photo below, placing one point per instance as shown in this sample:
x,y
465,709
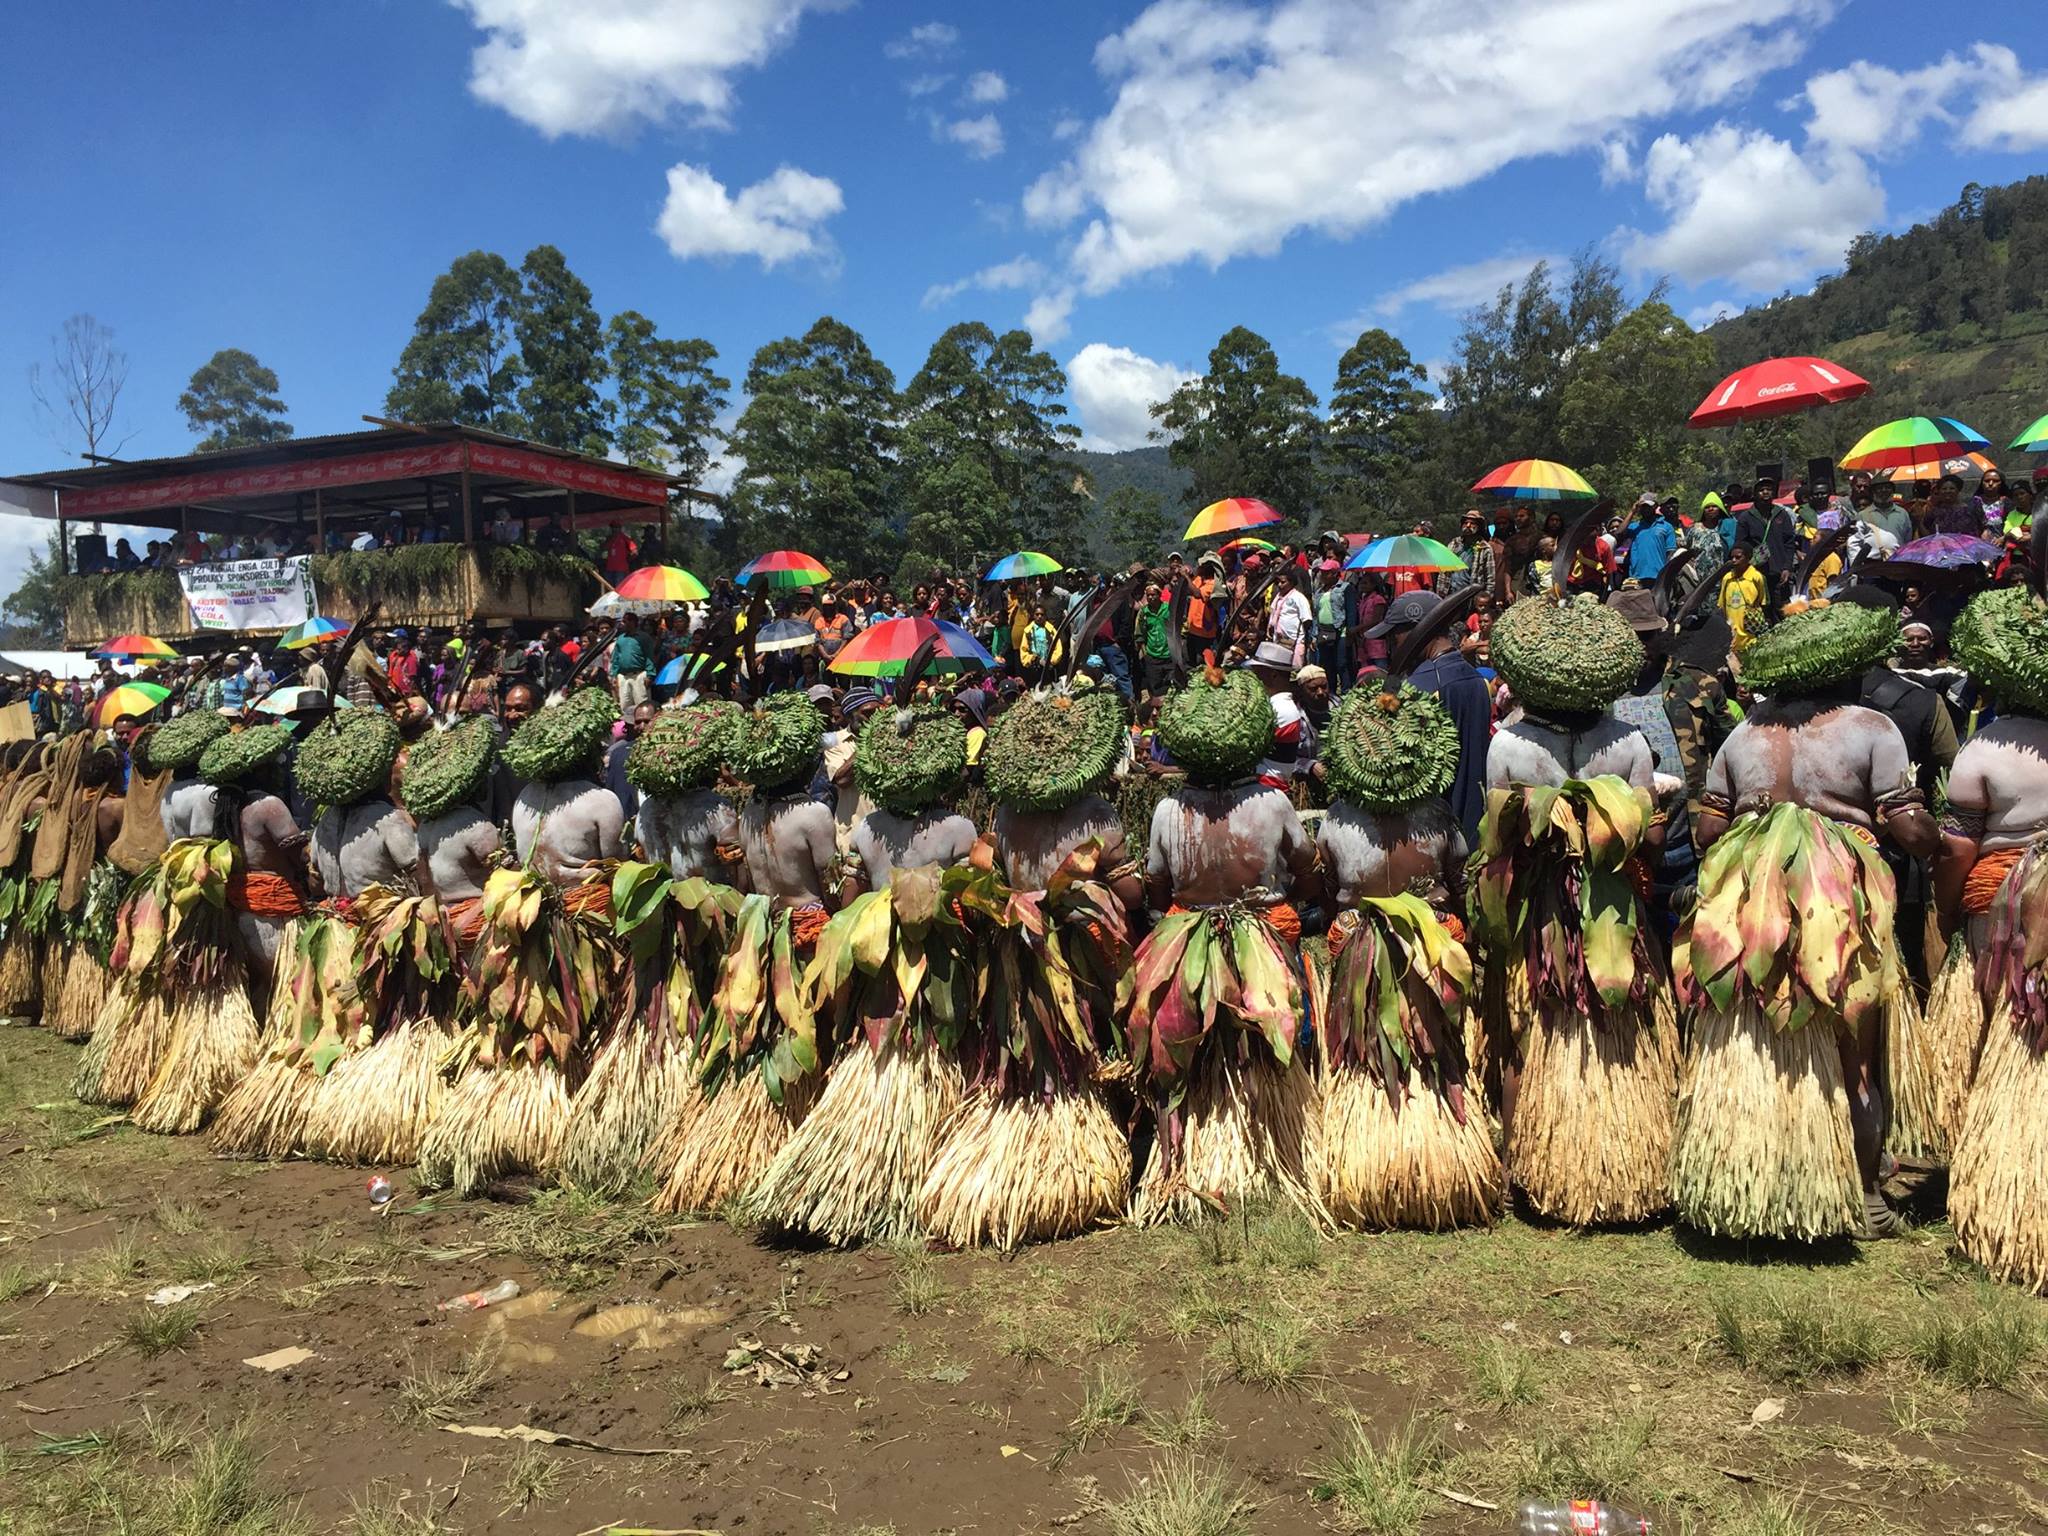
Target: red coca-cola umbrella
x,y
1777,386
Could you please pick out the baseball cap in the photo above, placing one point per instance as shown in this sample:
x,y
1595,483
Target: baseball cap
x,y
1409,608
1329,565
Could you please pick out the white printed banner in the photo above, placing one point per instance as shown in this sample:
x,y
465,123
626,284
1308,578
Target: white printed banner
x,y
250,594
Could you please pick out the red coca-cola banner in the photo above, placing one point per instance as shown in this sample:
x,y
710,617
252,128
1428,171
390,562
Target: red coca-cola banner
x,y
410,463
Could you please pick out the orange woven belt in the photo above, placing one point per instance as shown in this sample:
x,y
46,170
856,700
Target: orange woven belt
x,y
1280,917
1454,925
1981,886
593,897
806,923
263,894
466,919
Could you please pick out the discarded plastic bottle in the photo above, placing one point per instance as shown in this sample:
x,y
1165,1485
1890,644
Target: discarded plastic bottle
x,y
476,1301
1578,1517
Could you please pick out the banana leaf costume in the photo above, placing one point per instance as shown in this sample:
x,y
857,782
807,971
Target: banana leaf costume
x,y
895,970
27,903
1789,952
1406,1141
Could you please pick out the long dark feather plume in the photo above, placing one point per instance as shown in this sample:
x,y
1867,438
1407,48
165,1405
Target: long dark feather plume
x,y
1111,604
1434,623
1176,639
1577,534
454,705
1666,589
592,654
1816,552
349,642
906,685
1248,609
1063,633
1694,600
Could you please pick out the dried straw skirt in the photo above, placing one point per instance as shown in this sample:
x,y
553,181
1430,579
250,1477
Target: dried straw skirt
x,y
1765,1147
1955,1036
128,1043
1411,1165
374,1105
76,988
713,1153
1998,1183
214,1042
1248,1133
1022,1168
642,1082
1590,1141
1913,1120
854,1169
495,1121
21,976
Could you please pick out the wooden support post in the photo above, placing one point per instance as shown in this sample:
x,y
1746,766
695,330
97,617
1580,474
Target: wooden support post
x,y
63,542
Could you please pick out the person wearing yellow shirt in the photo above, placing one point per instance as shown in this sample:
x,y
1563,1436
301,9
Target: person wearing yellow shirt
x,y
1742,598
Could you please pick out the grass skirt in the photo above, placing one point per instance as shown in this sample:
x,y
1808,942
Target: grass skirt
x,y
128,1043
1955,1036
1021,1168
373,1107
1914,1127
1765,1147
1411,1165
642,1084
213,1044
1998,1184
1590,1141
1248,1133
77,988
854,1169
495,1121
720,1149
21,976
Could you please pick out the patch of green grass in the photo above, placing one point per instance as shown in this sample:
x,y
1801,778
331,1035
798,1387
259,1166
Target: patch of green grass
x,y
1110,1400
1025,1337
49,1183
222,1490
1201,1310
687,1404
215,1261
432,1394
1377,1485
110,1269
1283,1239
1917,1415
1988,1346
1770,1515
1792,1335
1268,1348
177,1218
154,1331
18,1278
578,1239
919,1289
386,1520
530,1479
1600,1460
1185,1428
1106,1327
1179,1496
1503,1375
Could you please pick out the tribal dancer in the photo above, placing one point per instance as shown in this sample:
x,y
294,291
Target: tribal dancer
x,y
1215,1020
25,902
542,972
1406,1141
1993,871
134,1025
896,967
1789,956
1588,1065
672,915
757,1046
88,893
1035,1152
320,1013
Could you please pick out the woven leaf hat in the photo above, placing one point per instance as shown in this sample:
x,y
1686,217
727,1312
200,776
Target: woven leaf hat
x,y
448,769
2002,637
682,750
232,758
777,741
1049,749
1218,727
347,758
177,743
911,757
1818,648
565,740
1390,751
1565,654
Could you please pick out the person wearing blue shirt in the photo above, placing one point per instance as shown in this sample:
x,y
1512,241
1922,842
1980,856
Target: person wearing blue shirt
x,y
1653,545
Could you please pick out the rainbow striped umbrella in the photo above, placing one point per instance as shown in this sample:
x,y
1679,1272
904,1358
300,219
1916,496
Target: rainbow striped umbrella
x,y
1026,562
1537,480
781,569
884,650
1913,440
1932,468
1405,552
662,584
2034,439
136,699
1249,545
312,632
1229,515
136,648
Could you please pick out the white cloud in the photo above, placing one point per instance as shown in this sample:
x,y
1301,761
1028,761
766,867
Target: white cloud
x,y
606,68
1703,315
1869,109
981,137
1456,289
1017,272
1234,127
985,88
1047,316
926,85
1749,209
1066,126
932,40
2008,116
1618,160
777,219
1113,390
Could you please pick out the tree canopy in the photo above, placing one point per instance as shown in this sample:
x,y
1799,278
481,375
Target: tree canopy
x,y
233,402
462,363
1244,428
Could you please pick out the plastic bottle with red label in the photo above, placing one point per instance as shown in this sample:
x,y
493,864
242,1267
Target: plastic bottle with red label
x,y
1578,1517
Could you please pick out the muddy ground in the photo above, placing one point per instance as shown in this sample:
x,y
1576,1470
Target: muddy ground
x,y
1243,1378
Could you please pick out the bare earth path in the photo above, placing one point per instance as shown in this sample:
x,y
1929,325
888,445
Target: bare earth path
x,y
1246,1378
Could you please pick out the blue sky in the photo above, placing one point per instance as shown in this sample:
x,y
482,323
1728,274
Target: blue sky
x,y
1131,179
